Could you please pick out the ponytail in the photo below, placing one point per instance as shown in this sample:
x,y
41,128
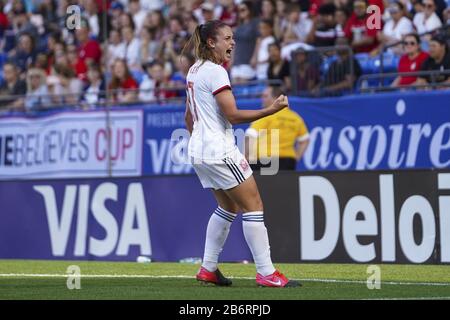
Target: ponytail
x,y
199,39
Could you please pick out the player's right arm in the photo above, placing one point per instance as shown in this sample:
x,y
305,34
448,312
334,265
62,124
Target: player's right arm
x,y
227,105
188,117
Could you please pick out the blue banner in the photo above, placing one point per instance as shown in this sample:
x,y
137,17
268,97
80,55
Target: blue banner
x,y
384,131
409,130
110,219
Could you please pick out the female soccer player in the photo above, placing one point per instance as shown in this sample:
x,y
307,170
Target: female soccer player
x,y
210,112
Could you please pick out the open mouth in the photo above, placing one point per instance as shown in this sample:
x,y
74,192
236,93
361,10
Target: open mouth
x,y
229,51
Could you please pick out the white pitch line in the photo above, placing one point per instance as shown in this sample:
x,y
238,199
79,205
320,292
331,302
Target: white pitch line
x,y
412,298
48,275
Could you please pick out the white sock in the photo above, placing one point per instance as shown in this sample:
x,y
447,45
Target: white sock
x,y
216,233
255,233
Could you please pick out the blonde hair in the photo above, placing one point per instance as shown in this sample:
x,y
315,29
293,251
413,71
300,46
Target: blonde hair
x,y
39,72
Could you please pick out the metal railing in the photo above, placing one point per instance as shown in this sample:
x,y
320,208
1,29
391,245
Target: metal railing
x,y
445,29
432,75
325,72
176,95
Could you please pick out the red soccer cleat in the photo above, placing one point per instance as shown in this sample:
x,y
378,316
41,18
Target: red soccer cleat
x,y
277,280
215,277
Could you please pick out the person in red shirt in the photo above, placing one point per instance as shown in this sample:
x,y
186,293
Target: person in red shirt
x,y
78,65
411,61
362,38
89,50
229,13
123,86
4,23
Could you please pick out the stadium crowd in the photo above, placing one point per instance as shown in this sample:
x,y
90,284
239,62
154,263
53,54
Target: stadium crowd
x,y
127,51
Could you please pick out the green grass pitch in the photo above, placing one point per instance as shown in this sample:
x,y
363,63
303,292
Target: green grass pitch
x,y
33,279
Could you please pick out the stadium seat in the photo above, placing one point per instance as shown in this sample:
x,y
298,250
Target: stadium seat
x,y
365,62
390,63
138,75
327,63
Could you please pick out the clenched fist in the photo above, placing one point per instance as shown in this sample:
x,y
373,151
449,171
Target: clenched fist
x,y
280,103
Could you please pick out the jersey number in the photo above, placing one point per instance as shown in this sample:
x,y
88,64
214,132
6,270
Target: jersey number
x,y
192,105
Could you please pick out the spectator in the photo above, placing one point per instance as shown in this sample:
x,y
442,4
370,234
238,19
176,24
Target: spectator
x,y
207,9
307,74
115,11
175,41
325,31
47,9
61,57
268,9
68,89
361,38
147,86
53,40
37,91
342,73
42,62
260,58
446,15
161,87
395,28
191,22
21,22
178,78
152,5
138,14
245,37
297,27
116,48
122,83
411,61
439,60
292,133
155,21
25,55
12,87
279,18
94,92
75,63
126,20
91,15
340,16
229,13
4,22
278,68
89,50
150,48
427,20
132,48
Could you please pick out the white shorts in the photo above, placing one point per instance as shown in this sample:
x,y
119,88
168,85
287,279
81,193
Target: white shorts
x,y
222,174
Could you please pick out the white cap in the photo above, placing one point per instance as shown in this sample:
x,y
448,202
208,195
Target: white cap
x,y
208,6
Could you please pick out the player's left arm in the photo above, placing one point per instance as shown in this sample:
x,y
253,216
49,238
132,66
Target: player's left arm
x,y
301,148
227,105
302,140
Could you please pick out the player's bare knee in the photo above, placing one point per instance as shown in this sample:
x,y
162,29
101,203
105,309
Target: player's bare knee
x,y
231,208
255,204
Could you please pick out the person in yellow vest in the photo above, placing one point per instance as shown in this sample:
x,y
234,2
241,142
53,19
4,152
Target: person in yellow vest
x,y
283,136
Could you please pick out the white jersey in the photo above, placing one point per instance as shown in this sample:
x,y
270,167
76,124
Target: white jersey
x,y
212,136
